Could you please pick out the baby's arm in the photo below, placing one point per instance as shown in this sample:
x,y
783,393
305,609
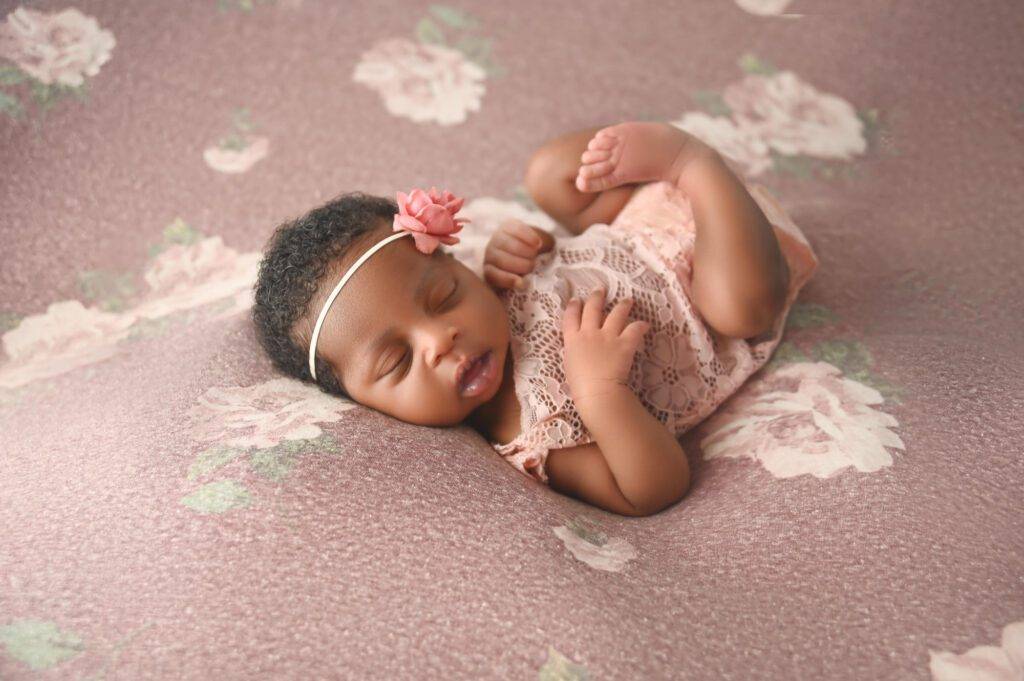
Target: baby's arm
x,y
636,467
645,460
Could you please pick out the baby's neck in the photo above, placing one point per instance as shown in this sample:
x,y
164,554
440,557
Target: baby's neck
x,y
498,419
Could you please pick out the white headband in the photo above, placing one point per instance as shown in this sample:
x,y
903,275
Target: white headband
x,y
337,289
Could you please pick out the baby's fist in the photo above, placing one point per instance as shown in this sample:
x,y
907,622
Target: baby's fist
x,y
512,252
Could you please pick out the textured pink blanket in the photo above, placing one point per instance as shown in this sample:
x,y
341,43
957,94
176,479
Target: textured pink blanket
x,y
171,507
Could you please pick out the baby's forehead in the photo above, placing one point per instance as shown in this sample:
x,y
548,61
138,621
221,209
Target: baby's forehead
x,y
373,294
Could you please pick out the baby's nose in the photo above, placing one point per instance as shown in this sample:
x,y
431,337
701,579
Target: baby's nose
x,y
441,343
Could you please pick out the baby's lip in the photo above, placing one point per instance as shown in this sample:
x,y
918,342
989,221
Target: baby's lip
x,y
460,371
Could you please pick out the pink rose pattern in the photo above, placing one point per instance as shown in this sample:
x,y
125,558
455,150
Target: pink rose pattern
x,y
797,418
1004,662
423,83
62,47
778,111
265,414
440,77
183,277
804,418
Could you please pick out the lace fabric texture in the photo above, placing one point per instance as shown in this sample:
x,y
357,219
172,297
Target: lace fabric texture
x,y
683,370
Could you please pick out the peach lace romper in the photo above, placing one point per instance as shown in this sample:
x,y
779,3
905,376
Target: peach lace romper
x,y
683,370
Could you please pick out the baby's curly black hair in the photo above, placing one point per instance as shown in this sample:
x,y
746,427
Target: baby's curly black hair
x,y
297,256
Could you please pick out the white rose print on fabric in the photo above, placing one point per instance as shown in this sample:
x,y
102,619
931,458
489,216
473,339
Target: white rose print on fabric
x,y
438,79
62,47
795,118
55,50
240,150
187,272
265,414
187,276
775,120
803,418
68,335
767,8
590,545
983,663
422,82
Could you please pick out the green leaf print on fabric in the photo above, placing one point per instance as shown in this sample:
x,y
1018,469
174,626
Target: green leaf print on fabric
x,y
809,315
272,463
751,64
855,361
785,353
876,134
237,139
587,529
560,668
218,497
177,232
11,106
39,644
800,166
9,320
109,291
47,95
275,463
429,33
11,75
244,5
477,49
711,102
454,17
212,459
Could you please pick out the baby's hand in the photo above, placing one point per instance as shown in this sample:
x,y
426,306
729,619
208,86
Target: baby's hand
x,y
597,358
512,251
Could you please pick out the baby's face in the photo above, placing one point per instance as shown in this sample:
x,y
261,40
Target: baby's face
x,y
399,352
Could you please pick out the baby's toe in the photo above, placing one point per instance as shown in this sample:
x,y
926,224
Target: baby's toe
x,y
595,155
602,142
596,169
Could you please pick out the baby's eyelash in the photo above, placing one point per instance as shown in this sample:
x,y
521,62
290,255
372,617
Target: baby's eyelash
x,y
396,365
452,294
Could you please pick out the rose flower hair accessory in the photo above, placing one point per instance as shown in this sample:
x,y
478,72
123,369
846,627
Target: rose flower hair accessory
x,y
428,217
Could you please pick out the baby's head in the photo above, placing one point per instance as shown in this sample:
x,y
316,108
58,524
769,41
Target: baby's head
x,y
394,337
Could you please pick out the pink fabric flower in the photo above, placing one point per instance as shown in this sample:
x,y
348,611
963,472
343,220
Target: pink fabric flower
x,y
430,218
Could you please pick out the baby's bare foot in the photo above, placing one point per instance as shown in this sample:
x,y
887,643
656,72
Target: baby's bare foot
x,y
631,152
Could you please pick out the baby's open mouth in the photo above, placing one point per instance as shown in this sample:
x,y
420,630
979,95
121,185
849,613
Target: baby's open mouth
x,y
478,376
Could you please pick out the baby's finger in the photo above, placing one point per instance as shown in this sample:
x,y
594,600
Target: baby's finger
x,y
510,263
523,232
593,310
508,242
619,316
499,278
636,331
571,318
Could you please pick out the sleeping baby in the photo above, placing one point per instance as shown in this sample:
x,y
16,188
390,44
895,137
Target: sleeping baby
x,y
580,359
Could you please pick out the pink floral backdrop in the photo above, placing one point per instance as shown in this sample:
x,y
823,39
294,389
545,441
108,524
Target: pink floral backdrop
x,y
171,507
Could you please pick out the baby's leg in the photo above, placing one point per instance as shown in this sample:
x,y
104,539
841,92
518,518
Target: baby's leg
x,y
740,276
551,181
